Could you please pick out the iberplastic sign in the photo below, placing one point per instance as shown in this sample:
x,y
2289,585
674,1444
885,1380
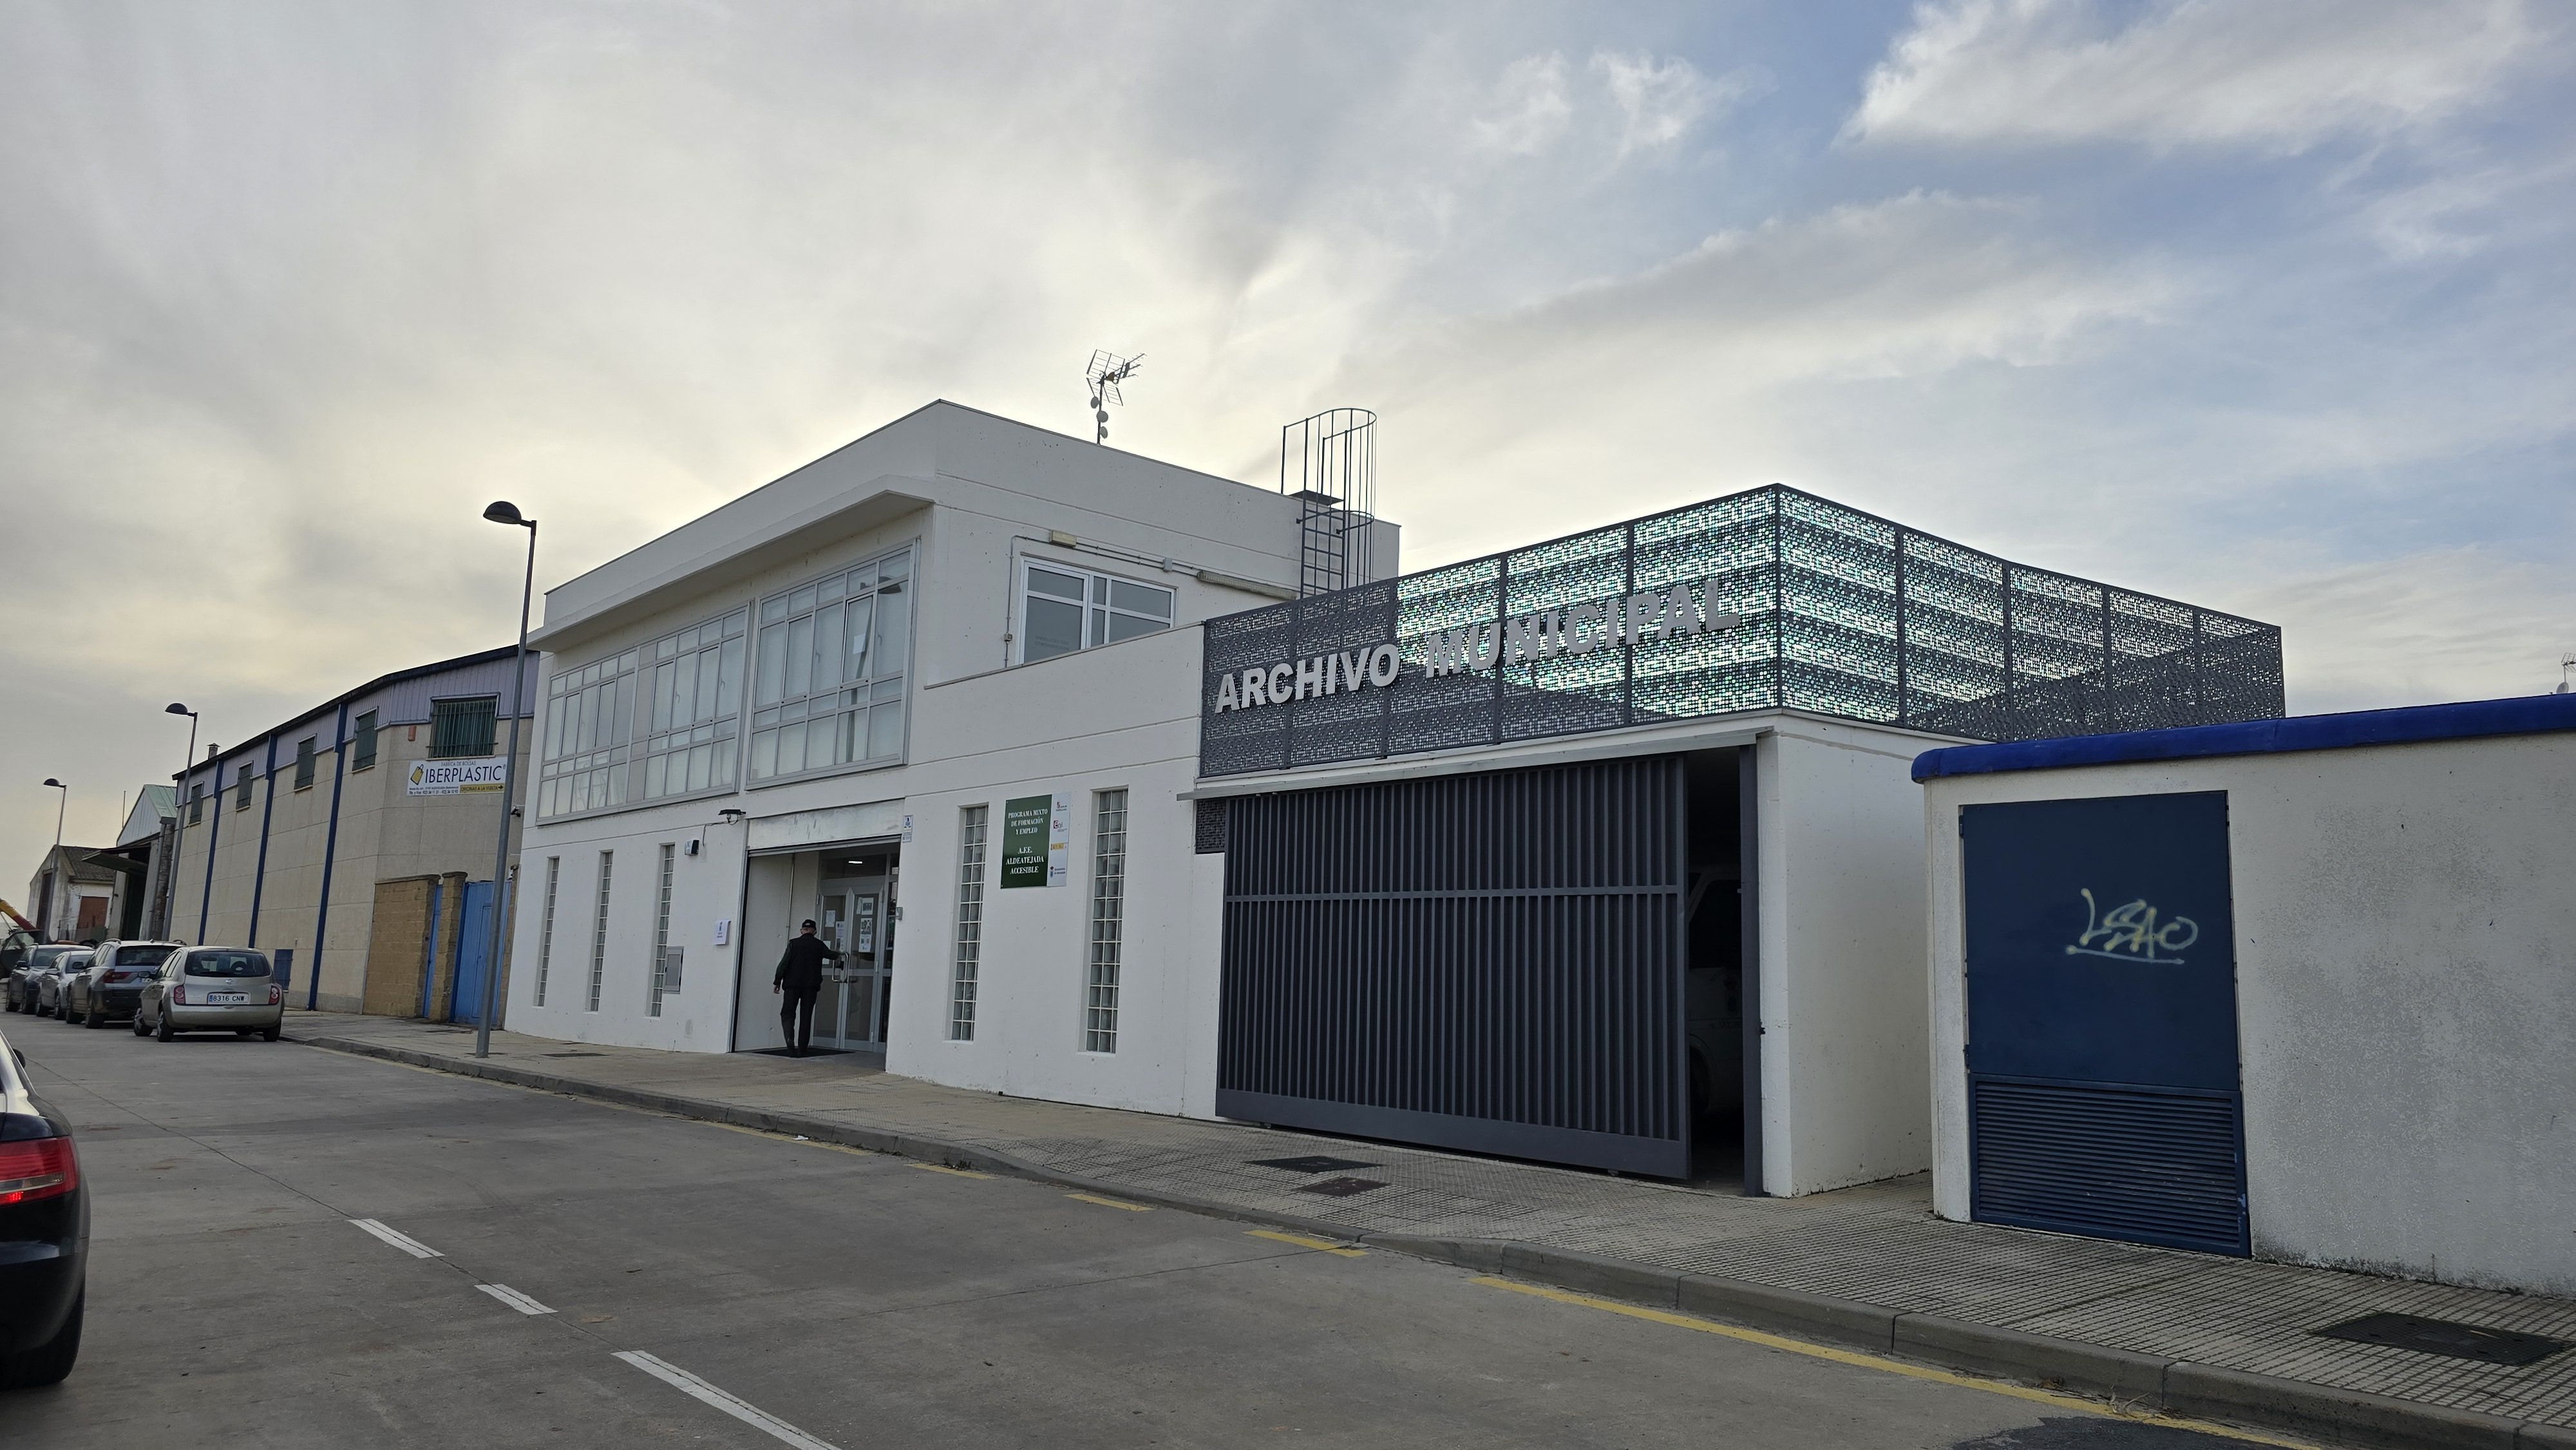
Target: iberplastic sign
x,y
1576,629
455,777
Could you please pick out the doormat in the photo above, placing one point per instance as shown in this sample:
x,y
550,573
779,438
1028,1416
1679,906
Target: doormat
x,y
1341,1187
2445,1337
1312,1163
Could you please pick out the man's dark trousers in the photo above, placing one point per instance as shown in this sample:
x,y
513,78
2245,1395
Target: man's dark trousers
x,y
796,1017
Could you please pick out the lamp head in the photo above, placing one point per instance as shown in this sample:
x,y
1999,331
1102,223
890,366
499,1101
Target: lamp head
x,y
175,708
502,511
56,784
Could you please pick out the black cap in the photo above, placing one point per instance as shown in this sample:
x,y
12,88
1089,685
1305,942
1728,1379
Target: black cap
x,y
809,922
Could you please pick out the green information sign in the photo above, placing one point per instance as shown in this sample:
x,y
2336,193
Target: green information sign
x,y
1035,832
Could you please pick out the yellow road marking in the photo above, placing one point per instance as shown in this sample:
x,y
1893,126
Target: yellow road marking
x,y
1878,1362
1109,1202
951,1172
1322,1246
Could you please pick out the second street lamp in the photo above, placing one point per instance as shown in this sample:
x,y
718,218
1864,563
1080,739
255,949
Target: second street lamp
x,y
505,512
178,825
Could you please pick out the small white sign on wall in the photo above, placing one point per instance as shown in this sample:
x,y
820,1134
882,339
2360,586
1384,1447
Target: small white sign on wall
x,y
724,930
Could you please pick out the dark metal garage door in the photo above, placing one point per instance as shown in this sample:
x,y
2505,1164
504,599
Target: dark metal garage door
x,y
1490,962
2103,1095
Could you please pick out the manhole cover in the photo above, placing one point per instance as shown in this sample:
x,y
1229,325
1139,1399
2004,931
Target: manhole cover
x,y
2445,1336
1312,1163
1340,1187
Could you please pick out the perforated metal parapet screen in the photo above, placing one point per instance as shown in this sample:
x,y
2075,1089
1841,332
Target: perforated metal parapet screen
x,y
1841,613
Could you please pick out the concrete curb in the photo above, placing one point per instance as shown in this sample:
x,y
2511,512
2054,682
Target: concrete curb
x,y
2137,1381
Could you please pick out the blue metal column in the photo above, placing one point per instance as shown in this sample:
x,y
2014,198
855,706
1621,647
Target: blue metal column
x,y
214,833
267,808
330,850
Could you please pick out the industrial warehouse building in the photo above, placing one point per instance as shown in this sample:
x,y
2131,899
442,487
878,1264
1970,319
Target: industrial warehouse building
x,y
354,842
2300,989
1127,785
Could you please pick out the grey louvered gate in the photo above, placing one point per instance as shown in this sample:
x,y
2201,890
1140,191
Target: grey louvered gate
x,y
1490,962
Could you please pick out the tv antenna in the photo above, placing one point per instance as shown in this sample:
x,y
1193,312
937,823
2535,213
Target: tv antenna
x,y
1106,372
2566,668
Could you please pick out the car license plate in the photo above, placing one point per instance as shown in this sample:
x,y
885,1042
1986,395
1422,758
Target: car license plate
x,y
226,999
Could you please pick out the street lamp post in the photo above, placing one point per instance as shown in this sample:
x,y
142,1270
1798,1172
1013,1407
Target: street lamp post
x,y
507,513
52,906
178,821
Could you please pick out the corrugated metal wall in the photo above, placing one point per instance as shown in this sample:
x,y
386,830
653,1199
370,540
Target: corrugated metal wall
x,y
1491,962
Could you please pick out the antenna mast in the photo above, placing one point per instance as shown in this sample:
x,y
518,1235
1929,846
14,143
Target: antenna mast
x,y
1106,372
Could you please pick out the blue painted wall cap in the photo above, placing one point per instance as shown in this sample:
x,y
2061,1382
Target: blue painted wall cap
x,y
2469,719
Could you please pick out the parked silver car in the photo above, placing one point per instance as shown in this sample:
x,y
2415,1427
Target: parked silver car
x,y
41,962
212,989
49,985
113,985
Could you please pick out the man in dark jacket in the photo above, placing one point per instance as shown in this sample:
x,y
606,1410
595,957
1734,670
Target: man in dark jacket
x,y
799,979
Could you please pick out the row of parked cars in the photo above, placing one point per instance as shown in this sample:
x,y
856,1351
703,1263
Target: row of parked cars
x,y
163,988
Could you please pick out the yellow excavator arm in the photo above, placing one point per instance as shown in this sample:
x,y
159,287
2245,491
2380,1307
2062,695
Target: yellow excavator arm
x,y
11,912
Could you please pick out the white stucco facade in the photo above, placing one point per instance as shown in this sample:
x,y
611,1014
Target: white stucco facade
x,y
2405,989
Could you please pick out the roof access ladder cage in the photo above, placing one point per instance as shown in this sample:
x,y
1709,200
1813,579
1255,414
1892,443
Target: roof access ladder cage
x,y
1332,458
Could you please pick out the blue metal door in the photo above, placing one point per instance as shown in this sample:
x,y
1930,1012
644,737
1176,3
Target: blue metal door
x,y
2103,1095
473,944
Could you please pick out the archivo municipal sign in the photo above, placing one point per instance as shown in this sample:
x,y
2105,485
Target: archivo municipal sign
x,y
456,777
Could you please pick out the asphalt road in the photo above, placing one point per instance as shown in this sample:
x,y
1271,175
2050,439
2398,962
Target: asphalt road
x,y
855,1299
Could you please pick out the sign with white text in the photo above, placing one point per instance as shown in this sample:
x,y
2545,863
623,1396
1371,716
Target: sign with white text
x,y
456,777
1037,837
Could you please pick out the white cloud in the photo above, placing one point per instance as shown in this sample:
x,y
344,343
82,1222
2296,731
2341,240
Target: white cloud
x,y
1529,107
2278,76
2464,623
1662,100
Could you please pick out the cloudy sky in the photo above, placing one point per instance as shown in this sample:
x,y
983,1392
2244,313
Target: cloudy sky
x,y
2263,303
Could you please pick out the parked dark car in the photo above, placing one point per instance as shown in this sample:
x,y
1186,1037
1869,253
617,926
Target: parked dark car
x,y
44,1234
49,985
41,960
113,985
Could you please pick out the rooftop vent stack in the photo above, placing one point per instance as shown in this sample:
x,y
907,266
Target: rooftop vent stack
x,y
1328,463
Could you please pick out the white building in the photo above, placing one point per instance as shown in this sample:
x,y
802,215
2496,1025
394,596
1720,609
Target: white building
x,y
1044,736
2301,989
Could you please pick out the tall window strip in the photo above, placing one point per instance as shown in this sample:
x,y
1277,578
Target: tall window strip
x,y
590,727
363,737
970,924
827,687
694,700
546,926
599,932
660,720
661,933
241,800
1108,920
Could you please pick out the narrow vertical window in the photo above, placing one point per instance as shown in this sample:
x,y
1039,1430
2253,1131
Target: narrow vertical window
x,y
241,801
196,802
304,758
1108,920
970,924
661,935
599,932
363,742
546,926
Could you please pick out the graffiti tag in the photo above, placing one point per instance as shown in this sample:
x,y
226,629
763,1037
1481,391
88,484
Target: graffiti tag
x,y
2131,933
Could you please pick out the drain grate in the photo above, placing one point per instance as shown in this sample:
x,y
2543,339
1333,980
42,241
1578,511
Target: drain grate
x,y
1341,1187
1311,1163
2445,1337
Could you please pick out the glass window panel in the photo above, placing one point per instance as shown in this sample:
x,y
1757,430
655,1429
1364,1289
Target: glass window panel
x,y
618,698
895,566
729,676
773,664
885,731
734,622
1128,626
653,775
665,649
1142,598
1052,628
708,700
684,690
662,697
802,602
626,662
791,750
819,733
773,610
862,611
723,774
617,786
827,647
888,689
1099,590
893,631
700,760
828,590
800,655
1100,626
1048,581
554,728
764,755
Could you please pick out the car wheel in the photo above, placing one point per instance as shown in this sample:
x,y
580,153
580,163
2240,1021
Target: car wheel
x,y
46,1364
163,1032
96,1016
271,1034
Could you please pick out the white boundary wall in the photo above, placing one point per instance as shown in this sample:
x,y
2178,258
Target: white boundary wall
x,y
2406,996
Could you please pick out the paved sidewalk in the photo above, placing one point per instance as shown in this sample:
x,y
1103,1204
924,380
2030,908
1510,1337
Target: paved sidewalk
x,y
1870,1265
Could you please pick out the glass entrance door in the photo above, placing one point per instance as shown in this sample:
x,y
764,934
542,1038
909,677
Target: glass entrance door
x,y
850,1012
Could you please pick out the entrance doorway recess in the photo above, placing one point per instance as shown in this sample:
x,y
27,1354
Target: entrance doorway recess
x,y
850,892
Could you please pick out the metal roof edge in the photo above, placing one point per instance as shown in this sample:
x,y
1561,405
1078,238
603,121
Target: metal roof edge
x,y
2407,724
479,657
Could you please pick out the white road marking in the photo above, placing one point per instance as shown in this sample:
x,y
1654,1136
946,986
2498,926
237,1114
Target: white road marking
x,y
690,1384
514,1298
404,1242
